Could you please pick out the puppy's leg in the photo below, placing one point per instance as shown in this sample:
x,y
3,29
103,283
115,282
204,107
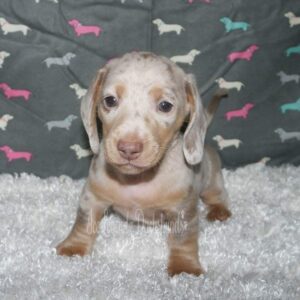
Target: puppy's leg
x,y
214,193
183,243
84,232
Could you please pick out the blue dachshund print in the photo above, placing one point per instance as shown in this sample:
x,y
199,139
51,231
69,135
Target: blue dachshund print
x,y
230,25
293,50
290,106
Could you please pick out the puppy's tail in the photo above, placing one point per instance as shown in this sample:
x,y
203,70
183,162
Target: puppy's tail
x,y
214,104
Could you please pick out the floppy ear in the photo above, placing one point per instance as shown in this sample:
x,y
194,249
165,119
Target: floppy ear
x,y
193,139
89,110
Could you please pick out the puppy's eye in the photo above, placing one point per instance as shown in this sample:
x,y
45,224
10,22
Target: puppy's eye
x,y
110,101
165,106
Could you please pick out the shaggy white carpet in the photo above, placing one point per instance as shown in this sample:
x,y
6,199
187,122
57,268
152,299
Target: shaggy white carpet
x,y
254,255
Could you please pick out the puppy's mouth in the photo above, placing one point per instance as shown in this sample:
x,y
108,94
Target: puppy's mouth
x,y
132,161
132,167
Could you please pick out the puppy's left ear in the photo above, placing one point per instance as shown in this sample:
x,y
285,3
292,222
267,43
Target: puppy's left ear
x,y
193,139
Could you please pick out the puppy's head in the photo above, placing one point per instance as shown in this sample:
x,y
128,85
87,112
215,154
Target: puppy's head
x,y
142,101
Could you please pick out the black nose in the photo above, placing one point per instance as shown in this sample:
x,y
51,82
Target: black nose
x,y
130,150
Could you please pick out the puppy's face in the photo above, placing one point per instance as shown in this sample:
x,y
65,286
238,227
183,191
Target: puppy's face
x,y
142,101
142,107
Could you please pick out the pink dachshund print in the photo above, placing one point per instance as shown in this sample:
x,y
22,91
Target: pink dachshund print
x,y
240,113
245,55
13,155
12,93
84,29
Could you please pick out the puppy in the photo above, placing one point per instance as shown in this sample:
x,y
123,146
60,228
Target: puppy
x,y
144,162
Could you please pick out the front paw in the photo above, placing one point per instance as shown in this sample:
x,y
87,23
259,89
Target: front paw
x,y
184,265
218,212
72,248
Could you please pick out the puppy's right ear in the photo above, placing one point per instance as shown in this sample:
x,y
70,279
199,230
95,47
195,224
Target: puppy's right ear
x,y
89,109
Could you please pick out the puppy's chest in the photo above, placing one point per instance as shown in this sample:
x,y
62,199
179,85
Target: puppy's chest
x,y
147,195
145,202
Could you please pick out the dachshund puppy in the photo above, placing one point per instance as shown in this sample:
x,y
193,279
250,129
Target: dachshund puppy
x,y
151,157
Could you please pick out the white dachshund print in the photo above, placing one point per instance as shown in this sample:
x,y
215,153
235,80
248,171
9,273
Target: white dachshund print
x,y
228,85
4,121
80,152
79,91
12,28
165,28
261,164
3,56
225,143
293,19
186,59
264,160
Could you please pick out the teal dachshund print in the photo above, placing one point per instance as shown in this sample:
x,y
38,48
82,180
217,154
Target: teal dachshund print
x,y
230,25
293,50
290,106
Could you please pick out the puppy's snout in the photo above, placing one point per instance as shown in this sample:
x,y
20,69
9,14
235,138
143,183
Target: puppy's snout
x,y
130,150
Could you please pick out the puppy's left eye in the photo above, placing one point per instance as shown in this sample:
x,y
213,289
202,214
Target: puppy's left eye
x,y
165,106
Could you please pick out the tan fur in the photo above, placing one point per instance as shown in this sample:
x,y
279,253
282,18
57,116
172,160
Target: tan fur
x,y
217,210
120,90
185,257
83,234
156,93
163,183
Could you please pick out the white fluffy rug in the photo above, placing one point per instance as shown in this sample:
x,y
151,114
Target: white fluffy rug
x,y
254,255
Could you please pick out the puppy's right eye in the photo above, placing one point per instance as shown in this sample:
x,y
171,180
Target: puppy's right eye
x,y
110,102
